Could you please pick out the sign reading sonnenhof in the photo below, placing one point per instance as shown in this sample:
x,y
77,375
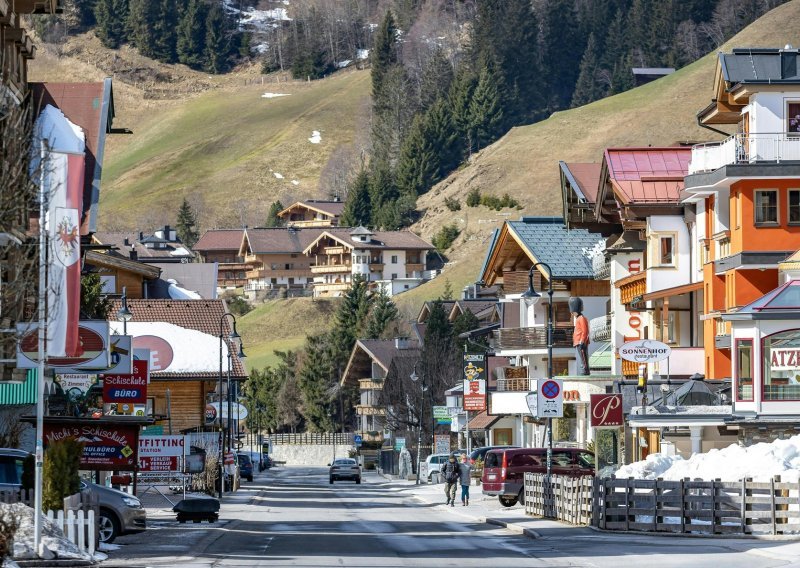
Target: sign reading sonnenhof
x,y
645,351
474,372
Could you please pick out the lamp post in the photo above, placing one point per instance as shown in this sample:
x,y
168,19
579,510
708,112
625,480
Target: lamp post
x,y
124,314
531,297
415,377
230,397
234,339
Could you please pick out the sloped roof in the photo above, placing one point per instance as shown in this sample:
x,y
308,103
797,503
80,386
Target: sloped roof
x,y
483,421
381,240
547,240
381,351
782,301
585,177
648,175
90,106
200,315
281,239
477,307
117,239
220,239
332,208
760,65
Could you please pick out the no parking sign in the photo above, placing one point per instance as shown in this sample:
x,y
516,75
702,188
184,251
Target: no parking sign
x,y
550,402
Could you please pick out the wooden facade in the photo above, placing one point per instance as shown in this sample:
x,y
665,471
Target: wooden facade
x,y
187,402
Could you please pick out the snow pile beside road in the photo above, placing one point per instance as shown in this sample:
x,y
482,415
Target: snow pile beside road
x,y
761,462
52,537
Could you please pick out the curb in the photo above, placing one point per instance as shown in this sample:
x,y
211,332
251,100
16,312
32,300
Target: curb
x,y
731,536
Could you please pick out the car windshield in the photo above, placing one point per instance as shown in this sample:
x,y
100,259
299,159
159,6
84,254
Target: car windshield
x,y
11,469
586,460
344,462
244,459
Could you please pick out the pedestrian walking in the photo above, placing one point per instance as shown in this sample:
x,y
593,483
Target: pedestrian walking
x,y
465,477
451,474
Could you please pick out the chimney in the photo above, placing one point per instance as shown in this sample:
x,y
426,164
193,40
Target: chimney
x,y
127,244
133,254
788,62
401,343
141,236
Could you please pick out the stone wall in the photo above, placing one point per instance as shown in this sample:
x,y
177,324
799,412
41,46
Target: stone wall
x,y
308,454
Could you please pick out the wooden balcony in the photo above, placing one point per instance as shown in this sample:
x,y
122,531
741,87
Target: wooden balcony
x,y
367,437
331,268
632,287
376,266
370,384
515,385
368,410
516,282
515,338
334,250
338,287
415,267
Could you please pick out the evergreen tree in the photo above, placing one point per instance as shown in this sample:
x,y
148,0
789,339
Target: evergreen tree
x,y
165,32
466,321
187,225
218,45
142,16
350,320
191,40
111,17
95,303
418,164
357,209
447,293
561,51
459,100
383,55
384,313
486,115
317,383
272,216
587,88
437,76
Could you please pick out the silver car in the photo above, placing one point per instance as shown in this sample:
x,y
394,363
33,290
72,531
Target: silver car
x,y
120,513
344,468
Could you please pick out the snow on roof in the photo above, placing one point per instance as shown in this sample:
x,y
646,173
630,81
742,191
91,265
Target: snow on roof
x,y
760,461
178,293
192,351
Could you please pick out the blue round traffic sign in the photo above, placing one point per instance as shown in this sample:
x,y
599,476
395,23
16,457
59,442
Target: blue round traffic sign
x,y
550,389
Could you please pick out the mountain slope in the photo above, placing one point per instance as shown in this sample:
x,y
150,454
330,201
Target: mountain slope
x,y
524,163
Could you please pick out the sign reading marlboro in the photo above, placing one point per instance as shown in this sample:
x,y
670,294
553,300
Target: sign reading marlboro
x,y
474,370
127,387
606,410
105,447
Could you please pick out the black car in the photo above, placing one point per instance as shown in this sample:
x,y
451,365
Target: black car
x,y
245,466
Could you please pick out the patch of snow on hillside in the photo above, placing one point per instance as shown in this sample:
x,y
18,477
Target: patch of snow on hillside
x,y
277,175
760,461
343,64
259,20
274,95
316,137
362,53
295,182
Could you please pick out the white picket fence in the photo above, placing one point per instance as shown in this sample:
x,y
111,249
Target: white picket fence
x,y
78,527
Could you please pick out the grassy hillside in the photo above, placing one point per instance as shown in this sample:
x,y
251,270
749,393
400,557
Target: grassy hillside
x,y
282,325
524,163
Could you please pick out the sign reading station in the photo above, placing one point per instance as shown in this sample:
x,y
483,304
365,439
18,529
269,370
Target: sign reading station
x,y
645,351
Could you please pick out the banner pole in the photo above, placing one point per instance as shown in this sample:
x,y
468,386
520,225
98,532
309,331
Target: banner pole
x,y
37,513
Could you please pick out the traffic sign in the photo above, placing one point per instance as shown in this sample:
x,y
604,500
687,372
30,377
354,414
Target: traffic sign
x,y
550,399
357,440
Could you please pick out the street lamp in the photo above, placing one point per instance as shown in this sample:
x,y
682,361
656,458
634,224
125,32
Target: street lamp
x,y
241,357
234,339
124,314
531,297
415,377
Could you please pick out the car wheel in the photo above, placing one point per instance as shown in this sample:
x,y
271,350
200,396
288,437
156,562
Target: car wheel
x,y
108,526
250,478
508,501
331,481
358,480
521,497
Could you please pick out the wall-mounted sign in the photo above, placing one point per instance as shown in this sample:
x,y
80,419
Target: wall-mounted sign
x,y
128,388
161,354
645,351
120,354
75,385
105,447
474,372
238,411
93,338
606,410
162,446
441,415
399,444
442,443
156,463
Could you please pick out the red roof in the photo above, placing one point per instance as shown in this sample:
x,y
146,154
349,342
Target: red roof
x,y
82,103
220,239
641,175
587,177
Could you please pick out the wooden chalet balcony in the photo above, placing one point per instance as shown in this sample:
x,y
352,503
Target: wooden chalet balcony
x,y
369,410
415,267
632,287
516,338
515,385
516,282
630,368
367,437
330,268
370,384
337,287
334,250
308,223
376,266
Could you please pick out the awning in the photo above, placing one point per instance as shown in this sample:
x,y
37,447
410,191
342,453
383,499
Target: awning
x,y
676,291
483,421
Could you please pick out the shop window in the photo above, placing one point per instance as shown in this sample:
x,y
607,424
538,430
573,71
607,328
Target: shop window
x,y
781,364
794,206
766,207
744,370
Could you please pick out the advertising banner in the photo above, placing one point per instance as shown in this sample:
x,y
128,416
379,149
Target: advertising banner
x,y
645,351
474,371
606,410
441,415
128,388
93,353
105,447
156,463
442,443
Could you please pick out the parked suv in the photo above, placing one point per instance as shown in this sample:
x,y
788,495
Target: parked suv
x,y
480,453
245,466
429,469
504,470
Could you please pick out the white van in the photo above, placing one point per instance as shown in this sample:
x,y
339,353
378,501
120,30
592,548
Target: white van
x,y
429,469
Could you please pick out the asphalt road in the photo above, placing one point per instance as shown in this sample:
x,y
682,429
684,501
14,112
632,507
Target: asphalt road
x,y
293,517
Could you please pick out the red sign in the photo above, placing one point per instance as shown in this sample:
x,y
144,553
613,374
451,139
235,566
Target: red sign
x,y
229,458
161,353
606,410
158,463
105,446
130,388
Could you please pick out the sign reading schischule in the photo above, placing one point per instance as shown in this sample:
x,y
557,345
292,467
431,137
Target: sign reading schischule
x,y
130,388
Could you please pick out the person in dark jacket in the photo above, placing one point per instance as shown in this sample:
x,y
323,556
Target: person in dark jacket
x,y
450,472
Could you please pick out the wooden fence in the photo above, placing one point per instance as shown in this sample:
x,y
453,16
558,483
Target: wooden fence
x,y
698,507
564,498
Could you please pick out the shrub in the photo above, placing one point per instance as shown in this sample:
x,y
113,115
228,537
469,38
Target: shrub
x,y
60,477
474,197
498,203
443,240
239,306
452,204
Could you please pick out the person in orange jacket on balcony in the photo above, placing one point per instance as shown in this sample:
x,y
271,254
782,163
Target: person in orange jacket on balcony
x,y
580,337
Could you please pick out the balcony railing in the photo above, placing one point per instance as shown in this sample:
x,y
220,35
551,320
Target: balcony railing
x,y
330,268
515,385
601,267
531,337
367,410
600,328
337,287
741,149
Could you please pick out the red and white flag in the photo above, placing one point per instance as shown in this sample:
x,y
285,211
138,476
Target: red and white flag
x,y
62,167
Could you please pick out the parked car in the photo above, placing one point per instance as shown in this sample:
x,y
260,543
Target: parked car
x,y
120,513
245,466
11,463
344,468
480,453
429,469
504,470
